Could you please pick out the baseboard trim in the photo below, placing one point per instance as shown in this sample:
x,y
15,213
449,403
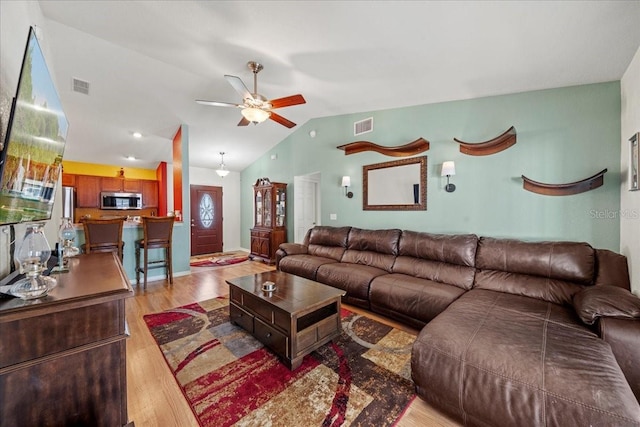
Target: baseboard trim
x,y
160,277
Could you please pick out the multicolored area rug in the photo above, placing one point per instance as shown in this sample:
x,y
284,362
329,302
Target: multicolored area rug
x,y
229,378
216,260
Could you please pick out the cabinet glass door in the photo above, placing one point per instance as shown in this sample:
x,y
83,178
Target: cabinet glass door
x,y
258,207
280,207
267,208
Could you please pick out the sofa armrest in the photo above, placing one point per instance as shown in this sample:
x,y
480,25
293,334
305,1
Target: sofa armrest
x,y
286,249
623,335
605,301
293,248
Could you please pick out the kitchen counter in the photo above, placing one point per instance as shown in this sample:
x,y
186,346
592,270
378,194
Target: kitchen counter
x,y
133,231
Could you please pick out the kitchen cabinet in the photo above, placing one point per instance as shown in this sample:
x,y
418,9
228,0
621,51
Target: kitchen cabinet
x,y
269,230
68,180
88,191
88,188
149,194
121,185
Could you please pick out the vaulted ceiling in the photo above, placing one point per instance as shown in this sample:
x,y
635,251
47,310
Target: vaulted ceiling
x,y
147,62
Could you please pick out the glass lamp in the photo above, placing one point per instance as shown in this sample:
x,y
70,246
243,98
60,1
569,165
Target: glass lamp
x,y
33,254
67,235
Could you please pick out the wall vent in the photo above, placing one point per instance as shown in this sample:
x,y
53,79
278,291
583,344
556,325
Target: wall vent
x,y
80,86
363,126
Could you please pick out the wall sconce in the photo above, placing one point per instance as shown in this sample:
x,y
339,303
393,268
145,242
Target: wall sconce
x,y
346,183
448,170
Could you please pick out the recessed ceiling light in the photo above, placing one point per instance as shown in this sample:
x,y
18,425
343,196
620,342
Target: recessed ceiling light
x,y
137,135
131,158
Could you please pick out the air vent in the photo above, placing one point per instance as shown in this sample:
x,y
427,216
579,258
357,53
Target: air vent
x,y
363,126
80,86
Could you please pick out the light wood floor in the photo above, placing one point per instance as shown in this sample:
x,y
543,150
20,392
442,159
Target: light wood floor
x,y
154,398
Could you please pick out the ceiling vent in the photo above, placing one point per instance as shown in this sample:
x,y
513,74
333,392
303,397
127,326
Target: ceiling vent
x,y
363,126
80,86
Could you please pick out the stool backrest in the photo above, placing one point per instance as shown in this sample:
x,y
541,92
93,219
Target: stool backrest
x,y
102,235
157,230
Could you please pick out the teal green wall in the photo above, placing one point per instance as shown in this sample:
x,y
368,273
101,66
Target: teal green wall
x,y
563,135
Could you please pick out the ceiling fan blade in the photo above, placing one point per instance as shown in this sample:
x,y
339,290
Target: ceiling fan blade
x,y
284,122
217,104
239,86
287,101
244,122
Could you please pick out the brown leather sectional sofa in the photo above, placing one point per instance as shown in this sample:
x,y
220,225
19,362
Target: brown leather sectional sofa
x,y
513,333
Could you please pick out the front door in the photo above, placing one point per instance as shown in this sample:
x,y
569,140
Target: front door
x,y
206,219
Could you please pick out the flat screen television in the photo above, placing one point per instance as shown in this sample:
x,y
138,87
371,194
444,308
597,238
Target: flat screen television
x,y
31,158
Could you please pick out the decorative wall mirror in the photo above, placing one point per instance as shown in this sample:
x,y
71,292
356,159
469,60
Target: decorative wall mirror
x,y
400,185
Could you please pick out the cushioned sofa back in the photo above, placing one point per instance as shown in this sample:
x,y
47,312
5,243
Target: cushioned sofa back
x,y
550,271
327,242
441,258
375,248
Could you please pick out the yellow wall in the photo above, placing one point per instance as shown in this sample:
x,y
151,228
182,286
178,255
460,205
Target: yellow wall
x,y
80,168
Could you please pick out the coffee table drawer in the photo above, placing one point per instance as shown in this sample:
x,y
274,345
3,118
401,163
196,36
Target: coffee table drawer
x,y
241,317
312,335
258,307
270,337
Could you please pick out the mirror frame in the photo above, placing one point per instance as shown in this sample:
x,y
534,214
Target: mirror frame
x,y
421,206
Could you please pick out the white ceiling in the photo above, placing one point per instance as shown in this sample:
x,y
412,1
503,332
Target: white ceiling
x,y
147,61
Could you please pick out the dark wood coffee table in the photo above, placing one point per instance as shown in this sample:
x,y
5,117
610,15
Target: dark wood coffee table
x,y
296,318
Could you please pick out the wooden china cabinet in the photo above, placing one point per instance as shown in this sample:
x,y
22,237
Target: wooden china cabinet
x,y
270,211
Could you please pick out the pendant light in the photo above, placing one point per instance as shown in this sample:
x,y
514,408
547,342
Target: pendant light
x,y
222,172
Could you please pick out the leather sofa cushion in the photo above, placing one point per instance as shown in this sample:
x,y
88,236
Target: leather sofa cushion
x,y
417,299
380,241
303,265
567,261
329,236
452,249
555,291
352,278
606,301
370,258
436,271
328,242
516,361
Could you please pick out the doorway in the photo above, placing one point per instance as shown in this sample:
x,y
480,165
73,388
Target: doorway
x,y
206,219
306,204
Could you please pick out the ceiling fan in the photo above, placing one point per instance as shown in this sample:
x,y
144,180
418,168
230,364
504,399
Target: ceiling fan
x,y
255,107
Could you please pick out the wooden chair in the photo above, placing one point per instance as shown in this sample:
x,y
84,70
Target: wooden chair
x,y
157,235
103,235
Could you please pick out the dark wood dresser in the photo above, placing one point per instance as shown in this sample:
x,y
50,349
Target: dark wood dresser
x,y
63,357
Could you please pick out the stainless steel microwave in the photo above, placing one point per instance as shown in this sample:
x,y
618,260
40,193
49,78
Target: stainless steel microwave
x,y
120,200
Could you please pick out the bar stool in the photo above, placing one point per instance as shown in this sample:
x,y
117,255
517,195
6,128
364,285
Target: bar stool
x,y
103,235
157,235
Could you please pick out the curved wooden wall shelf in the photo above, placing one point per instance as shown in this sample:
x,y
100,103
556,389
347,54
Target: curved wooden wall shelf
x,y
492,146
577,187
410,149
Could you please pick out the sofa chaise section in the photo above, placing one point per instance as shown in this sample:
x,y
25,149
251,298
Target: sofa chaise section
x,y
513,351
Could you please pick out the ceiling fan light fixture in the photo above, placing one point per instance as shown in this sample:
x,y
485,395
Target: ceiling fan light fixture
x,y
255,115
